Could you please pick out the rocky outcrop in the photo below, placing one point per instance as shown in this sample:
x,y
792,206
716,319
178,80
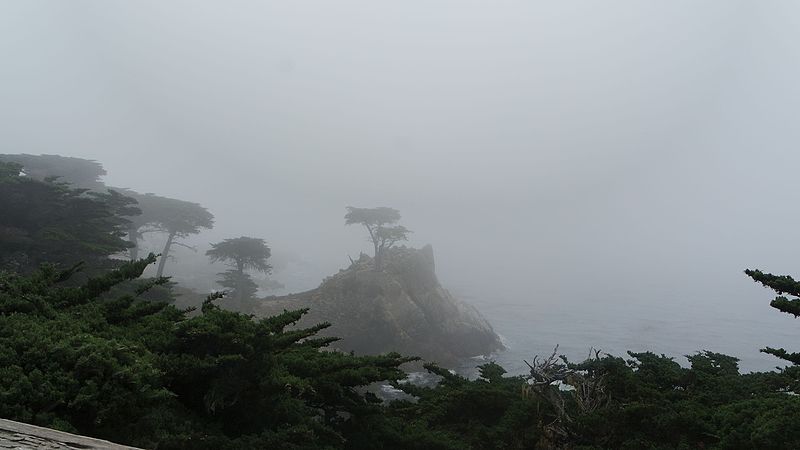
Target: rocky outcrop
x,y
401,308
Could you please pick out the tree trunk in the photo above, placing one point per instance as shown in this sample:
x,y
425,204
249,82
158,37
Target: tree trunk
x,y
164,255
378,257
237,299
134,251
239,282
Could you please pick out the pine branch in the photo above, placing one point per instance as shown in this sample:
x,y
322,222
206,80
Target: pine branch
x,y
96,286
793,358
782,284
151,283
181,244
783,304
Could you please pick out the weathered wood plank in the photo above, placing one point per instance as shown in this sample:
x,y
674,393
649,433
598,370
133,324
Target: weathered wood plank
x,y
17,435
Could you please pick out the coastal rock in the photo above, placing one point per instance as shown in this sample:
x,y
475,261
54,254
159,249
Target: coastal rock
x,y
401,308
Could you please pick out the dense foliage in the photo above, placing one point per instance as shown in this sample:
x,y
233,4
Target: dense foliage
x,y
143,373
46,221
137,214
78,172
650,401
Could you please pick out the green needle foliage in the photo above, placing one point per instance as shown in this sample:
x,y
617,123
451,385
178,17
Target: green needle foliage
x,y
44,221
782,284
490,412
241,254
650,401
143,373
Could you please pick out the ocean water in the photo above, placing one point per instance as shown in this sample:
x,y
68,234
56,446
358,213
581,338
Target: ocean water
x,y
614,326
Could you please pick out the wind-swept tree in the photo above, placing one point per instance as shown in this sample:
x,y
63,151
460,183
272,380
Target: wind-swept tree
x,y
242,254
175,218
379,223
151,210
781,284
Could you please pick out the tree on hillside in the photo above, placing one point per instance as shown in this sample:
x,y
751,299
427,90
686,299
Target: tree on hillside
x,y
148,220
379,223
83,174
242,254
79,172
781,284
175,218
123,206
43,221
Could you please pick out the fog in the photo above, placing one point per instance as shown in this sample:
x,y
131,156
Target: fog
x,y
597,156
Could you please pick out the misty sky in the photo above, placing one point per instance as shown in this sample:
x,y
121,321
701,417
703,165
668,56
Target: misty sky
x,y
563,151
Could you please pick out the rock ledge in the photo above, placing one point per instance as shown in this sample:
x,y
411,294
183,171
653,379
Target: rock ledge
x,y
402,308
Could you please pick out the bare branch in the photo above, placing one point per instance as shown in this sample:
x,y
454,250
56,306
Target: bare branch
x,y
181,244
548,375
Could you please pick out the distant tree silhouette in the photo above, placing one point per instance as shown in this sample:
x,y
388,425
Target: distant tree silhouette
x,y
175,218
79,172
379,223
45,221
242,254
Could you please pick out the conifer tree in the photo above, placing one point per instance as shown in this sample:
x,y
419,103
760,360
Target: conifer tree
x,y
242,254
78,172
47,221
379,223
177,219
783,285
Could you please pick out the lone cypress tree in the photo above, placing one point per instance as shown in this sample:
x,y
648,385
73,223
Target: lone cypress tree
x,y
241,254
379,223
782,285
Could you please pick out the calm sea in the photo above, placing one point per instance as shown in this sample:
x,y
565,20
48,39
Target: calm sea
x,y
673,328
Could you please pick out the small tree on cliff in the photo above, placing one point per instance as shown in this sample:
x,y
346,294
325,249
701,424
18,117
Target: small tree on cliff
x,y
379,223
781,284
242,254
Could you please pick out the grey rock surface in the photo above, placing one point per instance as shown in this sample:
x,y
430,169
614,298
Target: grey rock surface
x,y
402,308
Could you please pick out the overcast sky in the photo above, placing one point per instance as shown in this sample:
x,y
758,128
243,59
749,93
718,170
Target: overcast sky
x,y
564,151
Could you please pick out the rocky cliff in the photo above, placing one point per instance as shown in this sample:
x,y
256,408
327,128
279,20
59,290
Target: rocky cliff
x,y
402,308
